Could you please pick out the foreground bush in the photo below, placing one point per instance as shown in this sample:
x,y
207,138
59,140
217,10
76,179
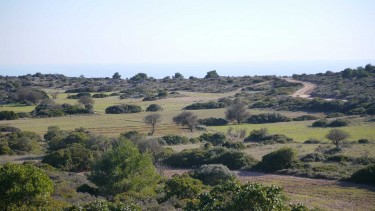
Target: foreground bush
x,y
8,115
263,137
280,159
365,175
175,139
212,174
208,105
216,139
23,185
232,195
182,187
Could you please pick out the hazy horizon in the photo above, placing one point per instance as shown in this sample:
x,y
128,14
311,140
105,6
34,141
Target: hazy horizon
x,y
279,68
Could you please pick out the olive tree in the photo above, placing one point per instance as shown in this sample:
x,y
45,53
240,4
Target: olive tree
x,y
186,118
152,120
237,112
337,136
23,185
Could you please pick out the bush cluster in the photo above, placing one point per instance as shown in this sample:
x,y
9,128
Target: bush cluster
x,y
263,137
123,109
175,139
207,105
334,123
213,121
233,159
305,117
8,115
267,118
15,141
212,174
283,158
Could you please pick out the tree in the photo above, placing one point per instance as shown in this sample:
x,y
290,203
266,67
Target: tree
x,y
178,76
337,136
186,118
124,169
139,77
116,76
54,95
152,120
211,74
88,102
23,185
183,187
237,112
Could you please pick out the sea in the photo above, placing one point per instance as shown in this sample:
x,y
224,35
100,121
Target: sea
x,y
157,70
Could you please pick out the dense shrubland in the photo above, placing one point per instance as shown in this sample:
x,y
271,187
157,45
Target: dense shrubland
x,y
15,141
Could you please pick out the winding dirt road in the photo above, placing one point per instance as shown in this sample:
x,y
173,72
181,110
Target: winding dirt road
x,y
305,91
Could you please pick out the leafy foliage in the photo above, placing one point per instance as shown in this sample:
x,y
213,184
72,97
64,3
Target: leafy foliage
x,y
182,187
267,118
207,105
186,118
365,175
213,121
337,136
212,174
280,159
8,115
233,196
23,185
175,139
237,111
154,108
125,169
123,109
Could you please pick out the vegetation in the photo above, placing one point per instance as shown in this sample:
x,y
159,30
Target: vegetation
x,y
208,105
337,136
154,108
152,120
186,118
125,169
212,174
23,186
365,175
237,112
267,118
123,109
213,121
280,159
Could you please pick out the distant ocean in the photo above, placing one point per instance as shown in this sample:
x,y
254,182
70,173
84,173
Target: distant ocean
x,y
279,68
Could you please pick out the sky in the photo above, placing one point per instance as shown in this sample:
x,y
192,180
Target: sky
x,y
68,32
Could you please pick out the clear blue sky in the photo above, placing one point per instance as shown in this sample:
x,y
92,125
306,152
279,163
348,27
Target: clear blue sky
x,y
184,31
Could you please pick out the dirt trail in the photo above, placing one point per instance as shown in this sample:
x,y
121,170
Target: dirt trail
x,y
305,91
326,194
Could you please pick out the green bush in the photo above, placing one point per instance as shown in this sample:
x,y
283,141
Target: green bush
x,y
320,123
257,135
338,123
122,109
182,187
363,141
234,145
313,157
8,115
175,139
267,118
154,108
233,159
365,175
212,174
207,105
280,159
216,139
100,95
305,117
213,121
312,141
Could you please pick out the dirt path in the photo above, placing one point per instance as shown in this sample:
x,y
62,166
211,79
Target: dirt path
x,y
326,194
305,91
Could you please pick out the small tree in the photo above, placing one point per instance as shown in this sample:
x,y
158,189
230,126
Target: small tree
x,y
237,112
186,118
337,136
116,76
152,120
88,102
178,75
212,74
125,169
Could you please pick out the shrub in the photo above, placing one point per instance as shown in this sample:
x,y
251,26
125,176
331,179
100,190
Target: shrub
x,y
233,159
175,139
234,145
312,141
100,95
365,175
213,121
334,115
257,135
363,141
338,123
339,158
320,123
313,157
74,158
154,108
212,174
215,139
122,109
305,117
207,105
267,118
8,115
182,187
280,159
5,128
